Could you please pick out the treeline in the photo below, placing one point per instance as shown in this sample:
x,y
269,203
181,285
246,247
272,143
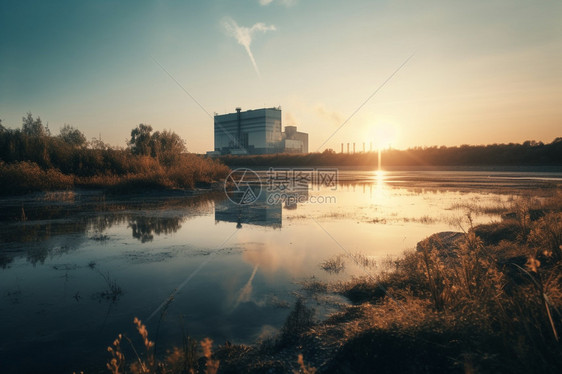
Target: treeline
x,y
31,159
527,153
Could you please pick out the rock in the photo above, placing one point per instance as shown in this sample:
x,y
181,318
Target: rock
x,y
446,240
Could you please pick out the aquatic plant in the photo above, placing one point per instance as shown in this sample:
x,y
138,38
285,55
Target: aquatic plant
x,y
334,265
113,291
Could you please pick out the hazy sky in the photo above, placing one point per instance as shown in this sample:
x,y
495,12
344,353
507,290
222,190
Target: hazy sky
x,y
481,72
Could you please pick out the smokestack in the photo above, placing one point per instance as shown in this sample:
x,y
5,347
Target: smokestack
x,y
363,147
347,147
341,148
239,138
353,147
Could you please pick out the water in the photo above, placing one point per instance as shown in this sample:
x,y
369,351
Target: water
x,y
221,270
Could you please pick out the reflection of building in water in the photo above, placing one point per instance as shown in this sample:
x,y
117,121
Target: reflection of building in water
x,y
260,212
265,211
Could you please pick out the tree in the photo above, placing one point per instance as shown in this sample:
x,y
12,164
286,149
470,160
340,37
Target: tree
x,y
163,145
2,128
140,140
72,136
98,144
34,127
167,143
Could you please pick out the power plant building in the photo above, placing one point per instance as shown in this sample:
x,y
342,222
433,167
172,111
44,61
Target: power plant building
x,y
294,141
256,132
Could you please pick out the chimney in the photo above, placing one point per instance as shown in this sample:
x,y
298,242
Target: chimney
x,y
239,137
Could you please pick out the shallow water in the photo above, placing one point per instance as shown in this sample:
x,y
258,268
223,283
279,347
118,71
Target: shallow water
x,y
218,269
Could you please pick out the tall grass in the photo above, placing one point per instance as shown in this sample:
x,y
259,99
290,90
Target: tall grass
x,y
188,360
142,172
498,299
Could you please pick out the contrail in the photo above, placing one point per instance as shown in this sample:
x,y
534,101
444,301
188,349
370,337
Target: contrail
x,y
246,291
244,35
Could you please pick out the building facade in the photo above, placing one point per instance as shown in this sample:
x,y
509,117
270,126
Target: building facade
x,y
250,132
256,132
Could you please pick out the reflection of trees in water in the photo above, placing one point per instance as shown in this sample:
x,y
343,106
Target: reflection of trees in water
x,y
41,240
52,230
5,261
144,227
103,222
56,246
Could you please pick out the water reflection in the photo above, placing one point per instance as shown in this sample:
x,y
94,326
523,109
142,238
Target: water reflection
x,y
144,227
52,228
294,198
262,212
53,262
265,211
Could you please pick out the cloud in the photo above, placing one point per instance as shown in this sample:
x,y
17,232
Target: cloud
x,y
243,36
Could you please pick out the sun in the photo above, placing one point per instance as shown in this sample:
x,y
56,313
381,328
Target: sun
x,y
383,134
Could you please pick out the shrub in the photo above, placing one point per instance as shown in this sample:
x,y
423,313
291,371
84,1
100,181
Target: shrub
x,y
24,177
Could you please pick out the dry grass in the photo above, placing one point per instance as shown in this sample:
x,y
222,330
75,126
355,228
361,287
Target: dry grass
x,y
187,359
493,304
25,177
139,173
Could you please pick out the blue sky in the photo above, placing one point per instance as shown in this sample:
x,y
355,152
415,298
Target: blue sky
x,y
481,72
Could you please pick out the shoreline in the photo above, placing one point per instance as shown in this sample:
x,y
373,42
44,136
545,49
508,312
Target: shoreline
x,y
402,321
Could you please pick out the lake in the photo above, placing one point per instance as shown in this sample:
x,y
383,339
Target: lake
x,y
76,268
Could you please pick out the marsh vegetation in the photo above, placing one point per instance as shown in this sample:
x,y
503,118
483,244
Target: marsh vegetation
x,y
31,159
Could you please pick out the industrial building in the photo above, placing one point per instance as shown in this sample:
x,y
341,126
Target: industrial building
x,y
255,132
294,141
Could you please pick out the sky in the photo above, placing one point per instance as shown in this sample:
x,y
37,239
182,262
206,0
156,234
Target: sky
x,y
391,73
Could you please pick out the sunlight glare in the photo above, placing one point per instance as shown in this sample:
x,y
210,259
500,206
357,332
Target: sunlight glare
x,y
384,133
